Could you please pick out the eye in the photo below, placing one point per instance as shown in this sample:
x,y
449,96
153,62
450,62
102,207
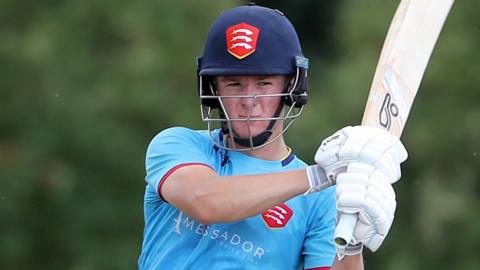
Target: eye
x,y
233,84
265,83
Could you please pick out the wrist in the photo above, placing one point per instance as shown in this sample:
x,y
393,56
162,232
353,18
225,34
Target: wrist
x,y
317,179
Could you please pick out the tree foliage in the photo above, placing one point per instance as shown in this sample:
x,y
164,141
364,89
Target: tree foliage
x,y
84,86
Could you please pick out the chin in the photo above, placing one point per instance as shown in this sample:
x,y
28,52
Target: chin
x,y
255,129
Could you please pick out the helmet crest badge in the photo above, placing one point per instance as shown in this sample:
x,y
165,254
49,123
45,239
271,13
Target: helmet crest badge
x,y
242,40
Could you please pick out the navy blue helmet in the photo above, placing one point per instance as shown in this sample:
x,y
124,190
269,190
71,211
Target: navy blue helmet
x,y
252,40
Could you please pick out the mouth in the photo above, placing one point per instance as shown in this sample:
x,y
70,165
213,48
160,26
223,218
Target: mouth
x,y
249,116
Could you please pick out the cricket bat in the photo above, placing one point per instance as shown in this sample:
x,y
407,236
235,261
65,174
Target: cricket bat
x,y
405,54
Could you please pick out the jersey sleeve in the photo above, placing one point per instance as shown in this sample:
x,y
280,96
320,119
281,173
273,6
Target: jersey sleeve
x,y
171,149
319,248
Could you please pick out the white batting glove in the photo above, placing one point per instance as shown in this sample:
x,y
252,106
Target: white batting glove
x,y
363,161
363,144
366,191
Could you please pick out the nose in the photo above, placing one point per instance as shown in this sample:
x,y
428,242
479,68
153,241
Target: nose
x,y
250,100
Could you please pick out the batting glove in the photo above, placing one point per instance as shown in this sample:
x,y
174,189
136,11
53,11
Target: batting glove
x,y
364,162
366,191
362,144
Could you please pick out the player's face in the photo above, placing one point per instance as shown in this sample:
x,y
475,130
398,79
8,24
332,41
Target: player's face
x,y
241,96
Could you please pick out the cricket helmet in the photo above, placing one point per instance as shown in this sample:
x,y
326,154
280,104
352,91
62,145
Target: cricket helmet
x,y
252,40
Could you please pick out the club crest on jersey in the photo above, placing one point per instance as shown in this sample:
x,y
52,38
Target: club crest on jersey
x,y
278,216
242,40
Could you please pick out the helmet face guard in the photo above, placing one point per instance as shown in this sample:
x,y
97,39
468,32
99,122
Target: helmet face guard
x,y
251,40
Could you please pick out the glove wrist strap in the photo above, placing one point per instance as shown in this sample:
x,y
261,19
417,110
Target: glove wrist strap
x,y
317,179
350,250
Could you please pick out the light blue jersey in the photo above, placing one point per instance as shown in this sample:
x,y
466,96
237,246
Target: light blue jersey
x,y
296,234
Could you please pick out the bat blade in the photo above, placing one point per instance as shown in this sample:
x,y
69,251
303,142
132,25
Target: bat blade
x,y
405,54
409,43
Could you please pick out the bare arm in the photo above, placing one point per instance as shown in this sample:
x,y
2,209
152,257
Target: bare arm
x,y
349,263
203,195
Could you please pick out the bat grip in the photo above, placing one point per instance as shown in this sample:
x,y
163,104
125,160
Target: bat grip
x,y
344,230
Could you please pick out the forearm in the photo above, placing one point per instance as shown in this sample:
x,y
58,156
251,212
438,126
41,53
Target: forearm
x,y
240,197
210,198
349,263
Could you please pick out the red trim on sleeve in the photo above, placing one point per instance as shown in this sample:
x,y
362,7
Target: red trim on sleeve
x,y
319,268
165,176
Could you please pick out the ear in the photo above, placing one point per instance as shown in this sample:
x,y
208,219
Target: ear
x,y
289,81
214,84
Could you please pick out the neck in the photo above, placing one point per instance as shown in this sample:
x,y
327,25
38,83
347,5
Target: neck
x,y
276,150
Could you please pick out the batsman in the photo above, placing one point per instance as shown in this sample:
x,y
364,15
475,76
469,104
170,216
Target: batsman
x,y
235,195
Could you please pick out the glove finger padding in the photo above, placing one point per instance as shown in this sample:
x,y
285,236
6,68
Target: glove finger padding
x,y
365,190
351,191
363,144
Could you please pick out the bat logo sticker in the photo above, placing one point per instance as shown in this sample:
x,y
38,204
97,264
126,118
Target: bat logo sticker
x,y
387,110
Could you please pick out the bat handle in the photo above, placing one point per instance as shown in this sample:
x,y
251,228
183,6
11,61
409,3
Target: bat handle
x,y
344,230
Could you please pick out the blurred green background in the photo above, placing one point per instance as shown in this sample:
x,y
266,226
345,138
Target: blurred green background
x,y
85,85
